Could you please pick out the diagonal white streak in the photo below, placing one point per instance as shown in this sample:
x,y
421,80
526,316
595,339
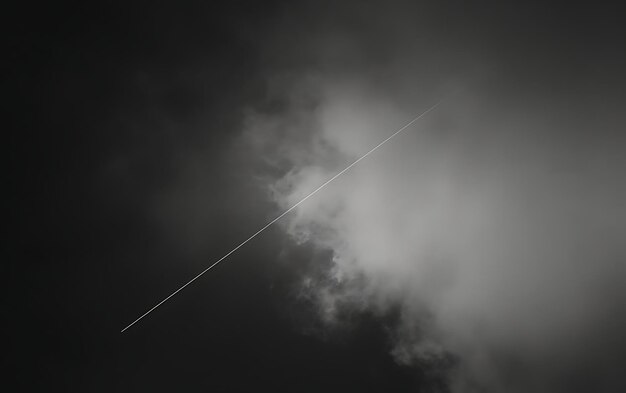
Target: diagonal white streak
x,y
283,214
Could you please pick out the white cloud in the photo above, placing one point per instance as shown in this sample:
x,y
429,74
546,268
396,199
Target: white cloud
x,y
495,228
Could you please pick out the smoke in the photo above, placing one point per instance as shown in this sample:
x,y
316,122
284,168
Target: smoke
x,y
494,228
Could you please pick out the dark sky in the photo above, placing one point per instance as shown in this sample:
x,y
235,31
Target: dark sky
x,y
128,174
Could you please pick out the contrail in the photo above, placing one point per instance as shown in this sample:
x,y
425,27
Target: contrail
x,y
283,214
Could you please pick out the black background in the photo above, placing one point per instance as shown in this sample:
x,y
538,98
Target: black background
x,y
102,101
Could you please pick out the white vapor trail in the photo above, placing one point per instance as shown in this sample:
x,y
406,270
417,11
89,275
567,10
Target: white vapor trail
x,y
283,214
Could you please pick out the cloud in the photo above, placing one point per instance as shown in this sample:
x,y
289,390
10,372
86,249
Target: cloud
x,y
493,229
496,229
